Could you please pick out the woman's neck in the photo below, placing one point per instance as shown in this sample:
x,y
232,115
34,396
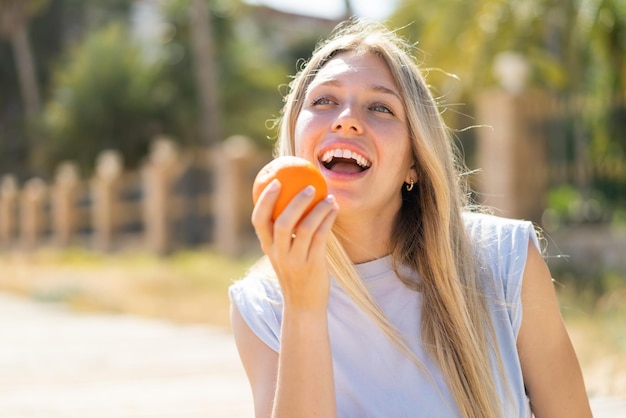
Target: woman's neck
x,y
364,239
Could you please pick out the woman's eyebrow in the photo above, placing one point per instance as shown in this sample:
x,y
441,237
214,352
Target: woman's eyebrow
x,y
374,87
328,82
385,90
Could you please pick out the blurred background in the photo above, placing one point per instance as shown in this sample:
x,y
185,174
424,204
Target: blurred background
x,y
131,131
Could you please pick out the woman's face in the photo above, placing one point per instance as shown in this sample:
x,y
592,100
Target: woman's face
x,y
353,127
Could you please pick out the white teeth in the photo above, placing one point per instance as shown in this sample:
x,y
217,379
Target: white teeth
x,y
344,153
362,161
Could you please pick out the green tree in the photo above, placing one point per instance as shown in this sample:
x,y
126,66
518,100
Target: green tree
x,y
205,70
105,95
574,48
564,41
245,67
15,139
50,26
14,19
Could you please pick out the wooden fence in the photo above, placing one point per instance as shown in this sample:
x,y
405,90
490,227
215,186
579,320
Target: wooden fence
x,y
176,199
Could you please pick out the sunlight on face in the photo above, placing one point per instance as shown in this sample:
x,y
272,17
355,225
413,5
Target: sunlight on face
x,y
353,127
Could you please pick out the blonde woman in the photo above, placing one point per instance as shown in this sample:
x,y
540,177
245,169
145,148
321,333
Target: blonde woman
x,y
389,299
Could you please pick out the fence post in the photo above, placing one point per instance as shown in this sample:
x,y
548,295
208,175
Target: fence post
x,y
64,211
32,221
512,154
238,157
8,209
104,189
158,175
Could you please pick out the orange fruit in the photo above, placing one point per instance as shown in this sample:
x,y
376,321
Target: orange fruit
x,y
294,174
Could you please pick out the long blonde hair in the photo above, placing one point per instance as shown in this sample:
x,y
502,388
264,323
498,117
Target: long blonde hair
x,y
429,234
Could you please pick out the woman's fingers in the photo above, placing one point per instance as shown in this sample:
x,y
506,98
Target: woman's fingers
x,y
289,219
278,234
295,243
262,214
312,232
320,238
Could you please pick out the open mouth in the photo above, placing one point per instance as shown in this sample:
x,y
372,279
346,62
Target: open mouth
x,y
344,161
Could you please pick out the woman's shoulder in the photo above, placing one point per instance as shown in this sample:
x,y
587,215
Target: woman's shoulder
x,y
501,242
488,221
259,283
487,230
259,300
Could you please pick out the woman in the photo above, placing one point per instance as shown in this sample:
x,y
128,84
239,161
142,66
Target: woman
x,y
389,299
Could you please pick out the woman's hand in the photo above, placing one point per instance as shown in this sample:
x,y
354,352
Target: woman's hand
x,y
296,245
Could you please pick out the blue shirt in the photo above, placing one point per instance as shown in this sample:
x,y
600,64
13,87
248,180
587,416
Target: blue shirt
x,y
372,377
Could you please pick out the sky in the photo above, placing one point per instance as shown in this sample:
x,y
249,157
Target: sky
x,y
332,9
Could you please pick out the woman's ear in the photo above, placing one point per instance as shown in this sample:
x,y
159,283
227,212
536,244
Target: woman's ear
x,y
411,176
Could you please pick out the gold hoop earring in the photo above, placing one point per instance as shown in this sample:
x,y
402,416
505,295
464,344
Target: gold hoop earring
x,y
409,187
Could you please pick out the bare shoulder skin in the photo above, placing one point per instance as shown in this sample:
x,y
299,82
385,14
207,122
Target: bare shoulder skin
x,y
552,375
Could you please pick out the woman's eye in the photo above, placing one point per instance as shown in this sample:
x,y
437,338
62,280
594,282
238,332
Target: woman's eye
x,y
381,108
322,101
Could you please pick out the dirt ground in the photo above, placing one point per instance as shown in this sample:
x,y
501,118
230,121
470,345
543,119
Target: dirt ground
x,y
604,368
56,363
150,292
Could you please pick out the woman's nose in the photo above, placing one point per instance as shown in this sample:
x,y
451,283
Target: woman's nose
x,y
347,121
